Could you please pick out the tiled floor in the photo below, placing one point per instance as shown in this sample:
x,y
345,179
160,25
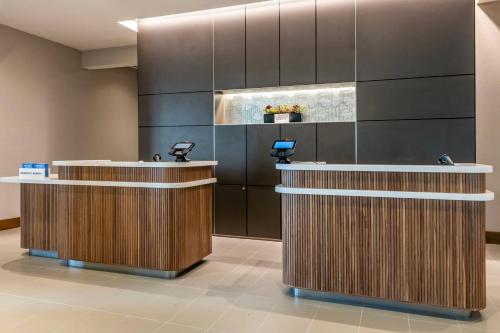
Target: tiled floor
x,y
237,289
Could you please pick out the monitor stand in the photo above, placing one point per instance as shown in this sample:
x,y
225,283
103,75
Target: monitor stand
x,y
181,158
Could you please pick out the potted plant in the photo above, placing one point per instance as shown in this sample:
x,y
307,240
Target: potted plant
x,y
283,114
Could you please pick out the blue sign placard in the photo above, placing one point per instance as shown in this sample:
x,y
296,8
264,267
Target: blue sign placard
x,y
44,166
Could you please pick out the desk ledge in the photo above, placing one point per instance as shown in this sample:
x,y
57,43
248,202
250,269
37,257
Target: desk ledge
x,y
118,164
487,196
53,180
457,168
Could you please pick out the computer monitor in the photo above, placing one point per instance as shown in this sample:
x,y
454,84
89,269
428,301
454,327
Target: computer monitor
x,y
284,144
282,150
180,150
183,145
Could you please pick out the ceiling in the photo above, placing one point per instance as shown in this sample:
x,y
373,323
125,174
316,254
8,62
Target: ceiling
x,y
91,24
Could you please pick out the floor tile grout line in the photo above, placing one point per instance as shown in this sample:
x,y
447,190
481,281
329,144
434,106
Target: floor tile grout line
x,y
192,301
237,298
22,321
176,324
160,327
238,265
13,289
313,319
264,320
170,321
67,323
360,319
268,313
134,316
125,316
86,307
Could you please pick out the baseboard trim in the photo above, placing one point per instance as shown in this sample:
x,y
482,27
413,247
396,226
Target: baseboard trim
x,y
10,223
493,237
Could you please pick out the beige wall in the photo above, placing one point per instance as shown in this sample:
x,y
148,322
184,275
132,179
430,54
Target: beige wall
x,y
488,101
51,109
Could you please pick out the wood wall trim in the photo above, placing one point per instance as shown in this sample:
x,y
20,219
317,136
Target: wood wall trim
x,y
493,237
10,223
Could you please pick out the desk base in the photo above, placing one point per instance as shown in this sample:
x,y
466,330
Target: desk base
x,y
107,268
43,253
384,304
123,269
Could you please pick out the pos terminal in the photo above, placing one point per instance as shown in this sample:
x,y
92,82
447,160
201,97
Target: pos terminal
x,y
180,150
282,150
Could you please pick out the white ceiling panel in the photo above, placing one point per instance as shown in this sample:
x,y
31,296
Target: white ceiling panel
x,y
92,24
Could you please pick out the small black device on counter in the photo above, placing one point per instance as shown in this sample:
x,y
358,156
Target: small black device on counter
x,y
445,159
180,150
157,157
282,150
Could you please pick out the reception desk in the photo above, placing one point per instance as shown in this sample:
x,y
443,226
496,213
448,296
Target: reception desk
x,y
142,217
404,236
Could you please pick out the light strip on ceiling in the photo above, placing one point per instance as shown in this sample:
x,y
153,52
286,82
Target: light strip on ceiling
x,y
289,92
131,24
214,10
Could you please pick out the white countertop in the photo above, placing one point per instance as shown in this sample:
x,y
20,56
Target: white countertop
x,y
487,196
108,163
457,168
54,180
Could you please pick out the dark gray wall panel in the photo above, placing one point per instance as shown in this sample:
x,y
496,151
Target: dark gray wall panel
x,y
229,49
298,42
230,210
439,97
231,153
262,49
264,212
305,134
336,143
160,139
403,39
176,109
261,168
336,40
416,141
175,55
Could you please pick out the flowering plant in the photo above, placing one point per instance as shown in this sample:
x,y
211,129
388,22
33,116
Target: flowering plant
x,y
284,108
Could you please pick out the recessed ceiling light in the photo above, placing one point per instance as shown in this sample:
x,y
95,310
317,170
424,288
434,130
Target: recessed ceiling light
x,y
131,24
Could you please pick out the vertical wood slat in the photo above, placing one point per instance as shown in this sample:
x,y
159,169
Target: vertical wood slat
x,y
39,217
418,251
386,181
427,252
164,229
127,174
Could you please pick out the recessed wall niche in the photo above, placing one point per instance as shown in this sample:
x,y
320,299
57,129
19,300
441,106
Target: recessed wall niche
x,y
322,103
